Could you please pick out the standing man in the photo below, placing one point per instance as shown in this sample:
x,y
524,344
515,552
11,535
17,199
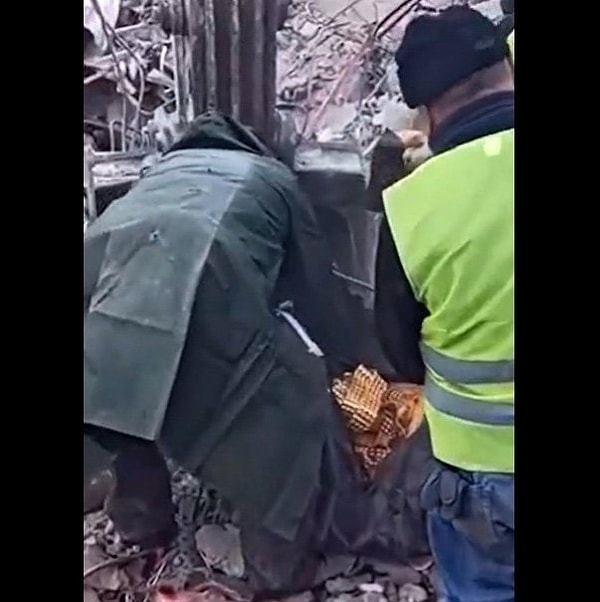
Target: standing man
x,y
444,300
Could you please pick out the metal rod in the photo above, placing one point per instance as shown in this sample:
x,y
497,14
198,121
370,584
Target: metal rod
x,y
353,280
210,55
235,59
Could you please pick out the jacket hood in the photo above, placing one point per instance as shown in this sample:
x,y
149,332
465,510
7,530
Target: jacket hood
x,y
217,131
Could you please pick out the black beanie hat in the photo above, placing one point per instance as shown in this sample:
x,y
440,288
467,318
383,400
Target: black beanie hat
x,y
438,51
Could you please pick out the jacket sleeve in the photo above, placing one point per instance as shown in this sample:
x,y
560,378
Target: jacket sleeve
x,y
398,315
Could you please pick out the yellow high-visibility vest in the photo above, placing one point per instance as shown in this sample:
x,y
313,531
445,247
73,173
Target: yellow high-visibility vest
x,y
452,223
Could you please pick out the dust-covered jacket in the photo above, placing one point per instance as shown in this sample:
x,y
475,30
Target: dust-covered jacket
x,y
181,345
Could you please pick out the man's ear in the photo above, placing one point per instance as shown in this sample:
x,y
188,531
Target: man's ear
x,y
416,149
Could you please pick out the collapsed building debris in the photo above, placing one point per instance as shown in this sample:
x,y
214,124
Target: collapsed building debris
x,y
335,78
331,75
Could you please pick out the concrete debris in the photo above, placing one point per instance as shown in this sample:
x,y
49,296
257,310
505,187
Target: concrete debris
x,y
423,564
210,591
127,75
106,576
490,8
373,588
89,595
302,597
217,553
412,593
342,598
220,548
97,24
372,597
391,592
97,490
340,585
343,83
334,566
338,79
398,574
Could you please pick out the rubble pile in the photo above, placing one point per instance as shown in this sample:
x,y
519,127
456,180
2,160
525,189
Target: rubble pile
x,y
334,70
113,572
129,74
337,72
129,99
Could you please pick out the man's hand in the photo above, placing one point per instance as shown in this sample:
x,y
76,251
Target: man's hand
x,y
416,149
396,155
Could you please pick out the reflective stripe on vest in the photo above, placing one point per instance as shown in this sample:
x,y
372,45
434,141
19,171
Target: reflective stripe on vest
x,y
468,372
466,408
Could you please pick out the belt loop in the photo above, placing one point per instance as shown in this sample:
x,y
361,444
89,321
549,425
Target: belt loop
x,y
430,493
448,487
450,494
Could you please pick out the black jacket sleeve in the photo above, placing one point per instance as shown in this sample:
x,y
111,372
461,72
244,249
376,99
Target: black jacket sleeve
x,y
398,314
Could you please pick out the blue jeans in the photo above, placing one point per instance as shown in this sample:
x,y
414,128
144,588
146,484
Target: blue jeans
x,y
471,532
